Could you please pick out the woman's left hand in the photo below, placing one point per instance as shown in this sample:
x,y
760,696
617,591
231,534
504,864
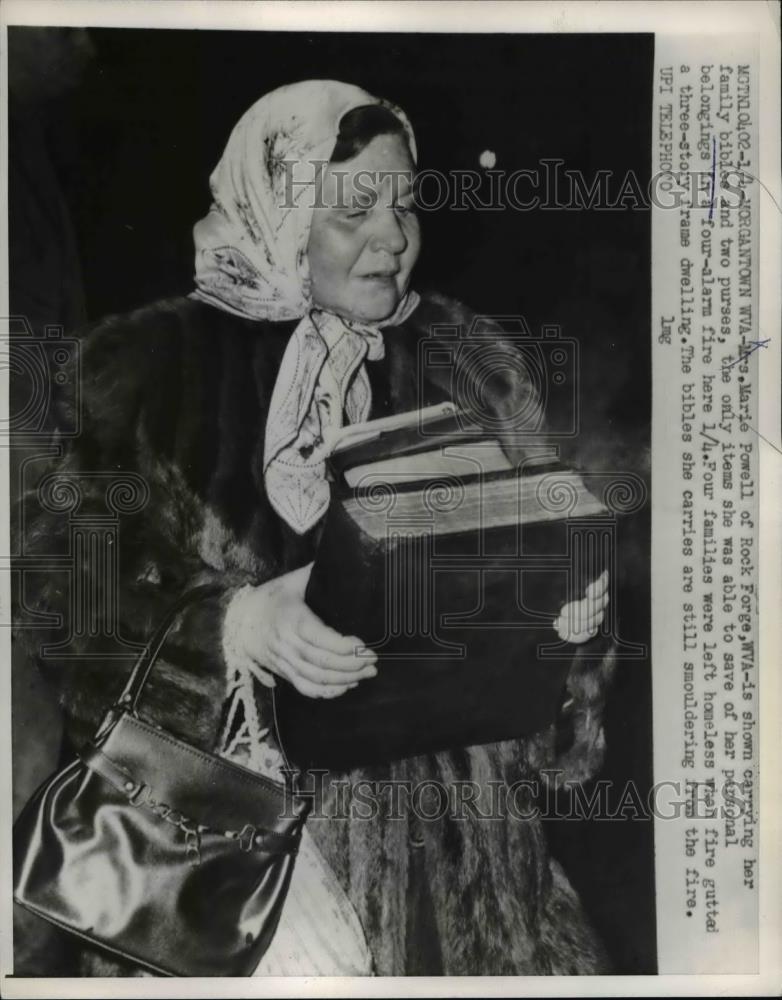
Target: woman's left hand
x,y
579,621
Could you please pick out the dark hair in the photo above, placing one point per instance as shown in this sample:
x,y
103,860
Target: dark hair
x,y
358,127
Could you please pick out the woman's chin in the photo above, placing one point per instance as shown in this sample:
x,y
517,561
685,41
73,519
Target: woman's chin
x,y
373,303
376,307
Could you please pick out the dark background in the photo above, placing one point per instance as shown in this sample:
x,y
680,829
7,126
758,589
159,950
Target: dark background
x,y
113,135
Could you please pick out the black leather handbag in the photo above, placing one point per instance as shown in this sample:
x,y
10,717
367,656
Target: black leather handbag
x,y
159,852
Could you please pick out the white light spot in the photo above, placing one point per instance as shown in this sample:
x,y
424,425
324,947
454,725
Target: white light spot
x,y
488,159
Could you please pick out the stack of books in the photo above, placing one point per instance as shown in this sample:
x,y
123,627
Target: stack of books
x,y
452,563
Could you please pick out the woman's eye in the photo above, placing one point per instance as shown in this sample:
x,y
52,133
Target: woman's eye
x,y
404,209
357,213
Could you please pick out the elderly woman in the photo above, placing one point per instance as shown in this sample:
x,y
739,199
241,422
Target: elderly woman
x,y
304,318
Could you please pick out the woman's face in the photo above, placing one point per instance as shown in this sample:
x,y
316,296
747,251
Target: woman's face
x,y
364,243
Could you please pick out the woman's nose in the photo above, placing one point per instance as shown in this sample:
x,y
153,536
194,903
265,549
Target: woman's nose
x,y
388,234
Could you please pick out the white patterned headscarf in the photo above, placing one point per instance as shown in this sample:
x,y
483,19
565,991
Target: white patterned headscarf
x,y
251,260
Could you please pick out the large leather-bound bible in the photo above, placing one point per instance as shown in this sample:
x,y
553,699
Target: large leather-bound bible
x,y
452,564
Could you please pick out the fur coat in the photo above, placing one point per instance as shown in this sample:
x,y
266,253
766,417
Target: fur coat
x,y
174,402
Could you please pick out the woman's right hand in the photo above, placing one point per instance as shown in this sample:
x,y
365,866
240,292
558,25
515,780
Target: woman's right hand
x,y
279,632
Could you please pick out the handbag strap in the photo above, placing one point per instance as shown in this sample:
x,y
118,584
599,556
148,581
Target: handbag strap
x,y
134,687
143,666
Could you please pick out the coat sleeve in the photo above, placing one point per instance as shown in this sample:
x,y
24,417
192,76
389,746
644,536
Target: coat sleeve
x,y
118,534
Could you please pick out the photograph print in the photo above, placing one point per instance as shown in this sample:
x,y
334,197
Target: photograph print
x,y
330,408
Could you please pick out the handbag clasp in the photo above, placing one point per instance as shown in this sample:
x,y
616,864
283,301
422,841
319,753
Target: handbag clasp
x,y
247,836
138,796
192,834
